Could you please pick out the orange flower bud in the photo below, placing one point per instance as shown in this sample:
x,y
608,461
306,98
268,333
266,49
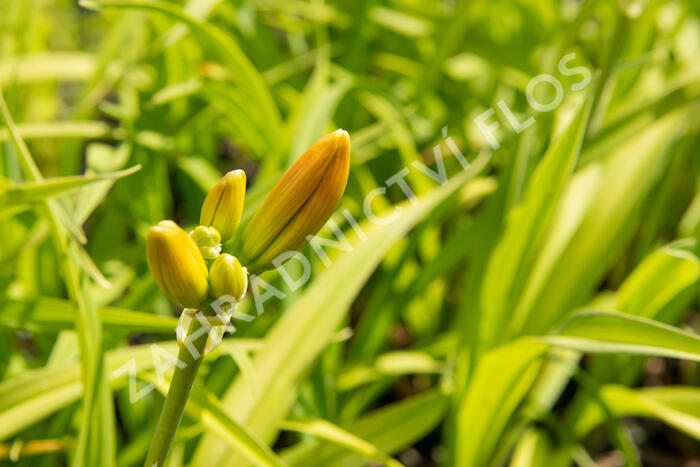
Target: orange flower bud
x,y
299,204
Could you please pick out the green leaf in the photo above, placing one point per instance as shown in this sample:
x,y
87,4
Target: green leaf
x,y
246,75
328,431
390,364
656,283
96,438
47,66
32,192
502,378
677,406
309,118
659,288
35,394
600,210
389,429
64,129
402,23
215,417
536,448
597,331
50,315
527,226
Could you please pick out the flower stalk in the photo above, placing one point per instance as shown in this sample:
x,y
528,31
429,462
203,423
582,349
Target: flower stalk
x,y
191,356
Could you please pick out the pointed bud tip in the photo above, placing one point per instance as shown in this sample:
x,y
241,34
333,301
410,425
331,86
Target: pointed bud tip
x,y
238,173
164,227
343,143
223,206
342,137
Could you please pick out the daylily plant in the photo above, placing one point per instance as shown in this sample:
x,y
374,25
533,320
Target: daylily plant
x,y
193,272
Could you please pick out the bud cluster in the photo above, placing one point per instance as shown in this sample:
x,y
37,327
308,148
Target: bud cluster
x,y
191,269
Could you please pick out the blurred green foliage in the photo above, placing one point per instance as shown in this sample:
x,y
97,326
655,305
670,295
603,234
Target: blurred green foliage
x,y
452,335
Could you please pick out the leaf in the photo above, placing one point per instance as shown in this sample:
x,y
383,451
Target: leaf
x,y
527,225
50,315
677,406
334,434
97,408
202,173
63,129
47,66
32,192
288,351
502,378
582,245
214,416
657,282
245,366
389,429
100,158
392,364
598,331
246,76
535,448
402,23
35,394
176,91
659,288
313,111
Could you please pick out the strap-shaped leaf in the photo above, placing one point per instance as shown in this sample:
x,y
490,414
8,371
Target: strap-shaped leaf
x,y
600,331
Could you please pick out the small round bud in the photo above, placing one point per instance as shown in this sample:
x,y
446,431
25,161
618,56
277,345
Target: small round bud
x,y
228,277
223,206
177,264
208,240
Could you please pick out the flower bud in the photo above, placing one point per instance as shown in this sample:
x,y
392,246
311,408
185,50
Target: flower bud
x,y
299,204
177,264
208,240
223,206
228,277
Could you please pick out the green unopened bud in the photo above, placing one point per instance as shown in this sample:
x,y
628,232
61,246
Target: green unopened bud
x,y
223,206
299,204
208,240
177,264
228,277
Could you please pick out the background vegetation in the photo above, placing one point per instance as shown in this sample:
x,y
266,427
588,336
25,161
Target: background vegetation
x,y
514,316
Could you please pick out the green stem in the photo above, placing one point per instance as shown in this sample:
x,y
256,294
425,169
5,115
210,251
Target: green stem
x,y
179,391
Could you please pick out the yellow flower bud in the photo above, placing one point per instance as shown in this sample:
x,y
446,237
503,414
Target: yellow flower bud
x,y
299,204
223,206
228,277
177,264
208,240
